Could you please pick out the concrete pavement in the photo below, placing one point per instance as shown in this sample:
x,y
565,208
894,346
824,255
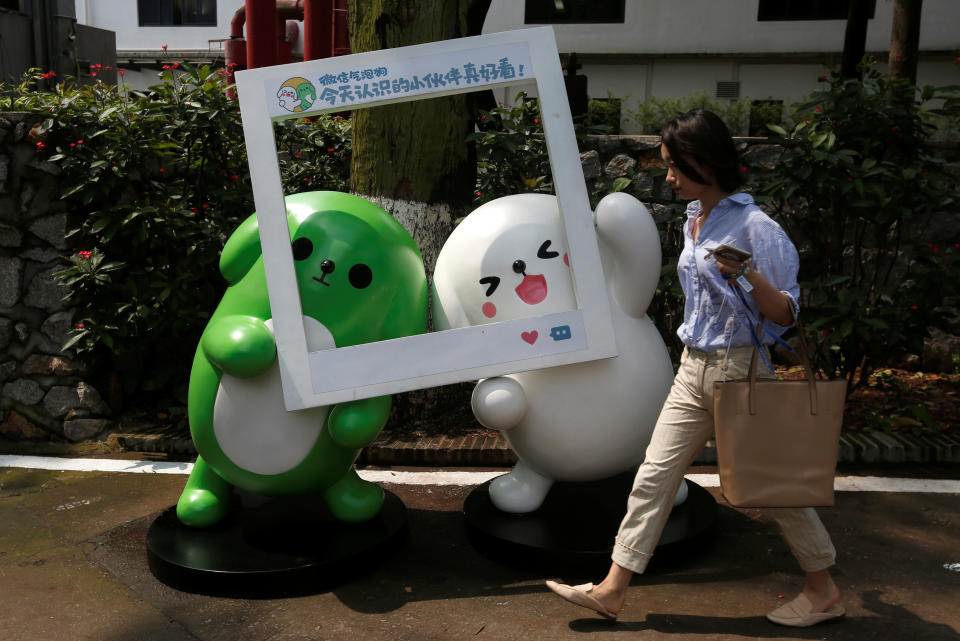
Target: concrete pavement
x,y
73,566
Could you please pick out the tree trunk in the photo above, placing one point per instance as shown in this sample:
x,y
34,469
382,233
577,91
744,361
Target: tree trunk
x,y
905,40
855,38
412,158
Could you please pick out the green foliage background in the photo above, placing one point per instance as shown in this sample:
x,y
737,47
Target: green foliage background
x,y
157,180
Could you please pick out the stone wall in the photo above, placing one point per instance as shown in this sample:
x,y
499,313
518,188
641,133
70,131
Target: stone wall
x,y
43,392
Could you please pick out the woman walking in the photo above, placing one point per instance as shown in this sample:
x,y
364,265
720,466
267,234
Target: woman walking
x,y
703,166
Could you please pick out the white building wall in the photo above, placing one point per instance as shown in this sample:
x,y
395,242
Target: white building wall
x,y
725,26
708,41
120,16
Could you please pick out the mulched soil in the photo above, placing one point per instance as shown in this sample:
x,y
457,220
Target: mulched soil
x,y
899,400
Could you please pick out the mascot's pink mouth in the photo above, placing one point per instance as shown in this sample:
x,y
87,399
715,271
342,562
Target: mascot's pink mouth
x,y
532,289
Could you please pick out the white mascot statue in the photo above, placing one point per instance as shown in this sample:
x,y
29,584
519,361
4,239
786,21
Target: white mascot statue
x,y
580,422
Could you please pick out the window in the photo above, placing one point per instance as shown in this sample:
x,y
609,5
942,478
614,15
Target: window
x,y
572,11
161,13
770,10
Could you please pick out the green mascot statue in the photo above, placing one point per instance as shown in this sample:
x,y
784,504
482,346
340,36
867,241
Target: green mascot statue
x,y
361,279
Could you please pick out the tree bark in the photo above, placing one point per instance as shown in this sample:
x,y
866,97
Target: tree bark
x,y
905,40
855,38
412,158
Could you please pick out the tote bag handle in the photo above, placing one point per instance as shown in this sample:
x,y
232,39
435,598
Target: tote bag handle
x,y
803,359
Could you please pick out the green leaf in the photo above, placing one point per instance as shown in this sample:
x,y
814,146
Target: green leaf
x,y
777,129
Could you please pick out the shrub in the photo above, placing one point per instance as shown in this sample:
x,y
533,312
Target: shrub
x,y
156,181
870,208
652,114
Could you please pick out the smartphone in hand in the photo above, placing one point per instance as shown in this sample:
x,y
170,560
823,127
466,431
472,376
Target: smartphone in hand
x,y
729,252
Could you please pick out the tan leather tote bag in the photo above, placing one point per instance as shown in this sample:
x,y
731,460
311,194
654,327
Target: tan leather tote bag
x,y
777,440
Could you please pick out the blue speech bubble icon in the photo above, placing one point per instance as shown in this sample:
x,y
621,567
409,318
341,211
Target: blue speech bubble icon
x,y
560,333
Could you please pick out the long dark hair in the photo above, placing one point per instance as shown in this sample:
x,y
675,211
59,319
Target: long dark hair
x,y
702,135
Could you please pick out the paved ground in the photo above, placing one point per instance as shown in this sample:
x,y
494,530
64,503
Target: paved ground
x,y
73,566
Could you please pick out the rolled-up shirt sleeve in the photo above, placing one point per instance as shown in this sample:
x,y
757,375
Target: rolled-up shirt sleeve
x,y
776,259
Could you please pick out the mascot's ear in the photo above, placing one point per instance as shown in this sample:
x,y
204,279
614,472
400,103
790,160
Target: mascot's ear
x,y
241,251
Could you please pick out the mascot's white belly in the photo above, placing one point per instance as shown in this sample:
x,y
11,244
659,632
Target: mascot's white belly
x,y
592,420
252,426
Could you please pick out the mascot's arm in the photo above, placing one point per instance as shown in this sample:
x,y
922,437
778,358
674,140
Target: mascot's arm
x,y
630,243
357,423
241,346
499,402
241,251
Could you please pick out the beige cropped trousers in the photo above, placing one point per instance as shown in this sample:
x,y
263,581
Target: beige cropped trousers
x,y
684,426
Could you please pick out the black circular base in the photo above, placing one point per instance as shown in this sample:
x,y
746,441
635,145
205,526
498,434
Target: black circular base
x,y
272,546
577,523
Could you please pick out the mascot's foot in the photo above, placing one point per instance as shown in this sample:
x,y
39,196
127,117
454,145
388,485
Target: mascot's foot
x,y
354,500
520,491
201,508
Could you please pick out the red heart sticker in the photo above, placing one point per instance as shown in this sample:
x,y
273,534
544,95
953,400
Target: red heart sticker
x,y
530,337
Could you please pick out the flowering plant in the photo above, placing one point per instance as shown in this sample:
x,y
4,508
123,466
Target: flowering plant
x,y
865,196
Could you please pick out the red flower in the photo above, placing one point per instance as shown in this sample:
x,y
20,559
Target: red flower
x,y
79,142
330,150
40,146
176,65
914,307
817,109
121,72
479,193
164,47
898,57
205,205
162,170
849,179
743,170
79,325
48,75
536,121
935,249
823,76
825,332
194,210
166,67
234,177
84,254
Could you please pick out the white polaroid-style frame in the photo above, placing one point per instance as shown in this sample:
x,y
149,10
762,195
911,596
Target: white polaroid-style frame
x,y
361,80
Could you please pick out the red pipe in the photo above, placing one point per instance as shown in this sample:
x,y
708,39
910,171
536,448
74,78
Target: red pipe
x,y
318,29
261,33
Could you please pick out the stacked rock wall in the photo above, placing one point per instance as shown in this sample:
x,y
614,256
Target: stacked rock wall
x,y
43,392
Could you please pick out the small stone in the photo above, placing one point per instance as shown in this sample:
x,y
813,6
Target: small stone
x,y
23,390
6,332
52,229
620,165
23,332
10,236
57,327
590,161
84,428
45,291
46,365
90,399
18,427
7,370
11,271
60,400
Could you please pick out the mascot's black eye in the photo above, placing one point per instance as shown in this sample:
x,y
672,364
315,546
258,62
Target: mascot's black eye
x,y
491,282
302,248
545,252
360,276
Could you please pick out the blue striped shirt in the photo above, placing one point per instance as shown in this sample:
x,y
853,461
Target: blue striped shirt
x,y
714,316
